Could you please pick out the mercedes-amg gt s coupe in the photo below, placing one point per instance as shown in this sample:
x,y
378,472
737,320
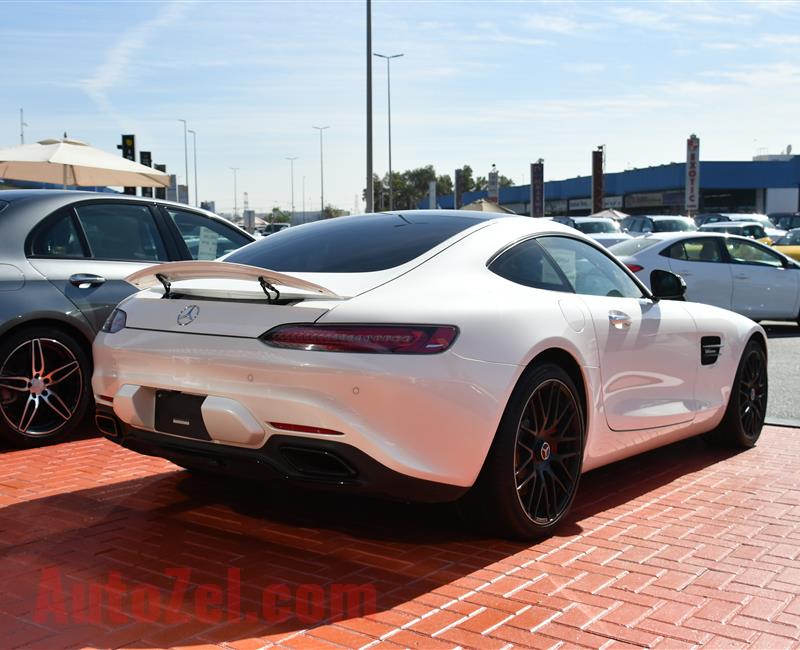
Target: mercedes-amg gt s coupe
x,y
424,355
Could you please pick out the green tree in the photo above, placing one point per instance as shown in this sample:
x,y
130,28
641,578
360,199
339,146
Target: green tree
x,y
482,182
277,216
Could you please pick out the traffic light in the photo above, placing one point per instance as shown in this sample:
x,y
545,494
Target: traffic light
x,y
146,158
161,192
128,147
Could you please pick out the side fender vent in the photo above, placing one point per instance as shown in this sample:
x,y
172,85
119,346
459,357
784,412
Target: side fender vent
x,y
710,347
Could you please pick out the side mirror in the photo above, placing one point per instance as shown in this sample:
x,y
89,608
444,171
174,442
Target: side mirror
x,y
667,286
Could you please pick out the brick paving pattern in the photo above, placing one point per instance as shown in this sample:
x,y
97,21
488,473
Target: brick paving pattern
x,y
685,546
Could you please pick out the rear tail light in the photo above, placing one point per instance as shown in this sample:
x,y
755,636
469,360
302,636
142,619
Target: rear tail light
x,y
634,268
375,339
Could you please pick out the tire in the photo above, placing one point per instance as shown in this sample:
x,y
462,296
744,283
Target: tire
x,y
44,386
747,407
531,474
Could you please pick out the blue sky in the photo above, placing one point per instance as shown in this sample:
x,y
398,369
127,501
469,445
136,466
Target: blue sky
x,y
480,83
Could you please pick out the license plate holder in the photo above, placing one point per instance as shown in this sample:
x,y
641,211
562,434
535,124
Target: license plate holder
x,y
180,414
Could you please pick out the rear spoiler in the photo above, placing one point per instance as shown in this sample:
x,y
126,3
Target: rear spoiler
x,y
166,274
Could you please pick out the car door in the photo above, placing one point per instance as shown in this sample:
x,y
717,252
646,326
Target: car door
x,y
87,251
648,349
762,286
702,263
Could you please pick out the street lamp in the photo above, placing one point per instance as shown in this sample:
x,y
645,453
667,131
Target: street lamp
x,y
291,160
186,163
194,149
321,189
235,191
389,108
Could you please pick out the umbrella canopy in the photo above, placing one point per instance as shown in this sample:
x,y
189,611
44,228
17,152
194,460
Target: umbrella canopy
x,y
71,162
482,205
610,214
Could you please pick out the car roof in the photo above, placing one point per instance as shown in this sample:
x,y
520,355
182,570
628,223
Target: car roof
x,y
728,224
661,217
591,219
67,196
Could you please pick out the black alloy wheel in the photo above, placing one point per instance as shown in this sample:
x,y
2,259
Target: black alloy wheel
x,y
44,386
547,452
531,474
747,406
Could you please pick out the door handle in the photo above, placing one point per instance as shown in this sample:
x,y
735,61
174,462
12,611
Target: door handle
x,y
86,280
742,277
683,273
619,319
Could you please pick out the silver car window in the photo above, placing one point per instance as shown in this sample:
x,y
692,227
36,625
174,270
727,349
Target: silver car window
x,y
121,231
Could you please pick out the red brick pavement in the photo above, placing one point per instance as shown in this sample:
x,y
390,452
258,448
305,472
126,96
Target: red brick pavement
x,y
682,547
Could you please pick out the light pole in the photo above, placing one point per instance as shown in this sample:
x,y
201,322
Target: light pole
x,y
370,181
22,125
389,108
291,160
185,161
304,199
194,149
235,192
321,187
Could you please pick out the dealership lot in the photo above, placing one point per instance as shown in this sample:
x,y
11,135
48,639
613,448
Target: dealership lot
x,y
681,546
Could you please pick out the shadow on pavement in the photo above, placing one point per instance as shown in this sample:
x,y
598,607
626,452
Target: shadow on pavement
x,y
208,527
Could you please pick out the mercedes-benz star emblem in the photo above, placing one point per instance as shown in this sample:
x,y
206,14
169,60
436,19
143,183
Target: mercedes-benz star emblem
x,y
544,451
188,314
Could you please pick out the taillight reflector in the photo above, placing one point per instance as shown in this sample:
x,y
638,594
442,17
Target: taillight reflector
x,y
301,428
375,339
634,268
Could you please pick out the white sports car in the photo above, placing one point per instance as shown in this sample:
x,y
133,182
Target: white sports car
x,y
425,356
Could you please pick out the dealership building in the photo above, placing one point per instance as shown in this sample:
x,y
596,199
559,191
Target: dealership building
x,y
766,184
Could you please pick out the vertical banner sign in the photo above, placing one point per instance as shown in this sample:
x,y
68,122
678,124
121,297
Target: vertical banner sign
x,y
161,192
146,158
692,175
494,186
597,181
458,188
537,189
432,195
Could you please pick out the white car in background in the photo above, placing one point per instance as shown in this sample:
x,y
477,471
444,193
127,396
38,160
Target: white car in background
x,y
732,272
752,217
423,355
603,230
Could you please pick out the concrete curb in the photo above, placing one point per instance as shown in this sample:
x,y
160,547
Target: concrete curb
x,y
780,422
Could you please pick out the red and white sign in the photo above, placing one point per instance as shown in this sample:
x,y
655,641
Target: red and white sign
x,y
692,174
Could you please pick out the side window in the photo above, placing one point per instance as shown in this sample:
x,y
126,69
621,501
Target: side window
x,y
527,264
206,238
676,251
590,271
121,231
703,250
647,225
745,252
58,238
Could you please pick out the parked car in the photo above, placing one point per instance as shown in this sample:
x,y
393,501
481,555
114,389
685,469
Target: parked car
x,y
457,355
723,270
727,217
602,229
789,244
271,228
643,225
749,229
65,256
785,220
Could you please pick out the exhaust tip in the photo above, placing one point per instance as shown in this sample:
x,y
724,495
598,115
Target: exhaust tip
x,y
107,425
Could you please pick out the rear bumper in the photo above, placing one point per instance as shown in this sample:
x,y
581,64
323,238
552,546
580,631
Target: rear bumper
x,y
311,463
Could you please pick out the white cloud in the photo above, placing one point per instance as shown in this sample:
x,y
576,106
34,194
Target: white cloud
x,y
584,68
780,39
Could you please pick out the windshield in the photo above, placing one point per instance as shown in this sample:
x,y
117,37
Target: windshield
x,y
353,244
633,246
789,239
673,225
595,227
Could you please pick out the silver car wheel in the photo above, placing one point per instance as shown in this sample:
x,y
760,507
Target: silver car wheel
x,y
41,385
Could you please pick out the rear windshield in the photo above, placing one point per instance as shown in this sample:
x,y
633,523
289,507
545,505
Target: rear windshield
x,y
596,227
673,225
353,244
633,246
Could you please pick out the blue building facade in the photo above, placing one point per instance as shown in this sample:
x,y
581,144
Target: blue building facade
x,y
725,186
